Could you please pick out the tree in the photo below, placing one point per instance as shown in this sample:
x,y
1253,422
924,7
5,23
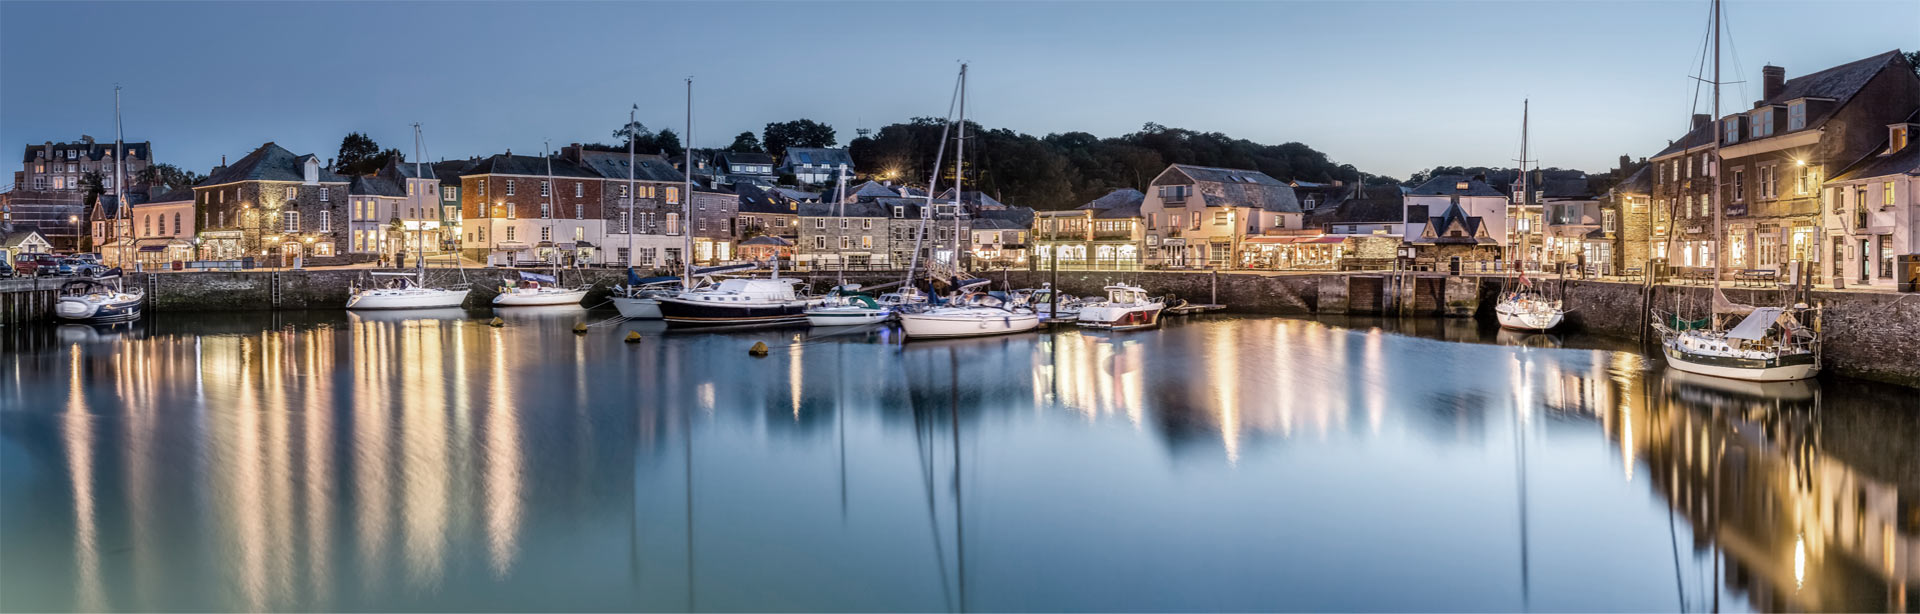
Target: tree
x,y
665,143
168,176
93,184
746,142
1913,61
633,131
779,136
359,155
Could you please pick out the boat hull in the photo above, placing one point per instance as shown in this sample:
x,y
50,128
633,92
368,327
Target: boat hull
x,y
1512,318
530,299
1121,318
935,326
847,316
685,313
1789,368
76,309
414,299
637,308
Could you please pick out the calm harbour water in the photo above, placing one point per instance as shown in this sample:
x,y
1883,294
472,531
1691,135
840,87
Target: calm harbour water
x,y
327,461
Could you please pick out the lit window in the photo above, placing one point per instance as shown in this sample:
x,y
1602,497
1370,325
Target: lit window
x,y
290,221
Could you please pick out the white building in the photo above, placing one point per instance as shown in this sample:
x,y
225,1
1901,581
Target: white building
x,y
1870,213
1475,197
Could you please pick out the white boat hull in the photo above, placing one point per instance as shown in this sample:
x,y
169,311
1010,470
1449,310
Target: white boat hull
x,y
544,296
637,308
937,325
1513,317
100,309
411,298
847,316
1782,373
1121,317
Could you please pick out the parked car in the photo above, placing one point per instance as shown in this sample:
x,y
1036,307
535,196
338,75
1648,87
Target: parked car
x,y
89,258
38,265
76,267
6,270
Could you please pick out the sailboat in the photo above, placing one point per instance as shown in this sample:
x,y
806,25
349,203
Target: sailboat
x,y
537,289
104,298
1521,306
409,290
970,312
846,306
1768,344
639,298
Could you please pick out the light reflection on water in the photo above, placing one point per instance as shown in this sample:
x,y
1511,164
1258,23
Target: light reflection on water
x,y
342,462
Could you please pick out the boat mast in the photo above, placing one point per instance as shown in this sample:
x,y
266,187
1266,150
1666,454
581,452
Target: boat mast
x,y
1526,194
840,251
926,212
419,225
553,258
686,202
959,170
631,194
119,175
1713,172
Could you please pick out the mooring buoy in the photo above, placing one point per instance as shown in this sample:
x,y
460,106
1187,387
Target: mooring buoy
x,y
580,328
759,348
633,336
496,322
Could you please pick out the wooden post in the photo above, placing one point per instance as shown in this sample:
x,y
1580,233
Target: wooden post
x,y
1213,290
1053,296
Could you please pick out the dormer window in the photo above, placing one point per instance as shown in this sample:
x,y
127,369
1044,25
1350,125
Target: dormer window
x,y
1897,136
1797,116
1463,186
1732,131
1763,123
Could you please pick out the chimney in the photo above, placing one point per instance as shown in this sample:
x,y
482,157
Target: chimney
x,y
223,160
1772,80
1701,119
509,152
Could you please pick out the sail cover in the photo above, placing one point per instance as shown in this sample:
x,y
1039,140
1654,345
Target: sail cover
x,y
538,277
1721,304
1755,326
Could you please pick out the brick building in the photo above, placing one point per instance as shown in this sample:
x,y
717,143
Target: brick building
x,y
47,190
512,213
636,199
273,205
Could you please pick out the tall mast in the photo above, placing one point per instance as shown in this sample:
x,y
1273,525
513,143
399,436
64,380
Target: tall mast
x,y
419,225
840,197
959,170
631,194
1526,194
926,211
686,201
1713,163
553,258
119,174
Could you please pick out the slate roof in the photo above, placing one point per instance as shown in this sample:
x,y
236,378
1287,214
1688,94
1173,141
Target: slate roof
x,y
988,223
405,170
755,200
1019,216
973,198
374,185
727,159
1839,83
613,165
1694,138
271,162
1906,161
169,196
1449,185
798,194
509,164
93,152
872,190
1372,205
1640,182
450,171
816,156
1575,189
867,209
1469,223
1232,187
1117,198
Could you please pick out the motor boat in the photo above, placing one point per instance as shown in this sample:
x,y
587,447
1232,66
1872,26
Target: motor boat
x,y
846,308
98,300
639,298
404,291
907,298
737,302
1528,311
537,289
1126,308
1043,301
969,314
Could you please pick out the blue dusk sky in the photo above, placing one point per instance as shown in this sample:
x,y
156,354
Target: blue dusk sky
x,y
1392,87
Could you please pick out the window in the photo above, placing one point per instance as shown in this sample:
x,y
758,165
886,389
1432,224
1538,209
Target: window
x,y
546,189
509,188
819,242
1732,131
292,192
1805,180
820,223
673,196
845,242
59,183
1739,185
647,254
290,221
323,192
1886,195
482,185
1796,116
510,233
866,242
546,210
1196,221
410,187
673,223
176,224
1219,218
579,233
1606,221
579,211
326,221
1767,182
579,189
899,211
1762,123
1688,209
447,193
1689,166
323,249
1175,193
510,211
546,233
146,225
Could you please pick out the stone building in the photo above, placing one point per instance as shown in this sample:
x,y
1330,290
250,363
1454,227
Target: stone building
x,y
766,213
713,225
833,235
1639,223
1679,190
1106,232
637,197
47,191
273,205
373,205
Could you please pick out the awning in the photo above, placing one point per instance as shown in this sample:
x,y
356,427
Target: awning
x,y
513,246
544,244
153,248
582,245
1294,240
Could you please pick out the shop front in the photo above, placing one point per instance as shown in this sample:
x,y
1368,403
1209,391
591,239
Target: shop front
x,y
1301,253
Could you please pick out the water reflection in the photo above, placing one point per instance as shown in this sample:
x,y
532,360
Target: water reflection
x,y
340,462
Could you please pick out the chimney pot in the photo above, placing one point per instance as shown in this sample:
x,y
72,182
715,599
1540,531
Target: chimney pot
x,y
1773,79
1701,119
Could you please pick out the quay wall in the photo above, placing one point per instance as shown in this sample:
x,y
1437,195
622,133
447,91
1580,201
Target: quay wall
x,y
1872,335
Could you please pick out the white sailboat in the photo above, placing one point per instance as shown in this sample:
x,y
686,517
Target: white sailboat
x,y
1768,344
409,290
98,300
1521,306
969,314
534,288
1126,308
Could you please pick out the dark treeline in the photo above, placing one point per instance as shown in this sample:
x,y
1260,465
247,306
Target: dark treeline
x,y
1063,170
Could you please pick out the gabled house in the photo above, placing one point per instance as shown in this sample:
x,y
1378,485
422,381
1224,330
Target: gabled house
x,y
47,191
1453,220
275,205
22,239
1106,232
162,226
1454,240
1874,211
1197,216
110,234
816,165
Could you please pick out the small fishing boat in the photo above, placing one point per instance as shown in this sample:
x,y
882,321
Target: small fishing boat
x,y
537,289
639,298
404,291
1126,308
969,314
845,307
98,300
